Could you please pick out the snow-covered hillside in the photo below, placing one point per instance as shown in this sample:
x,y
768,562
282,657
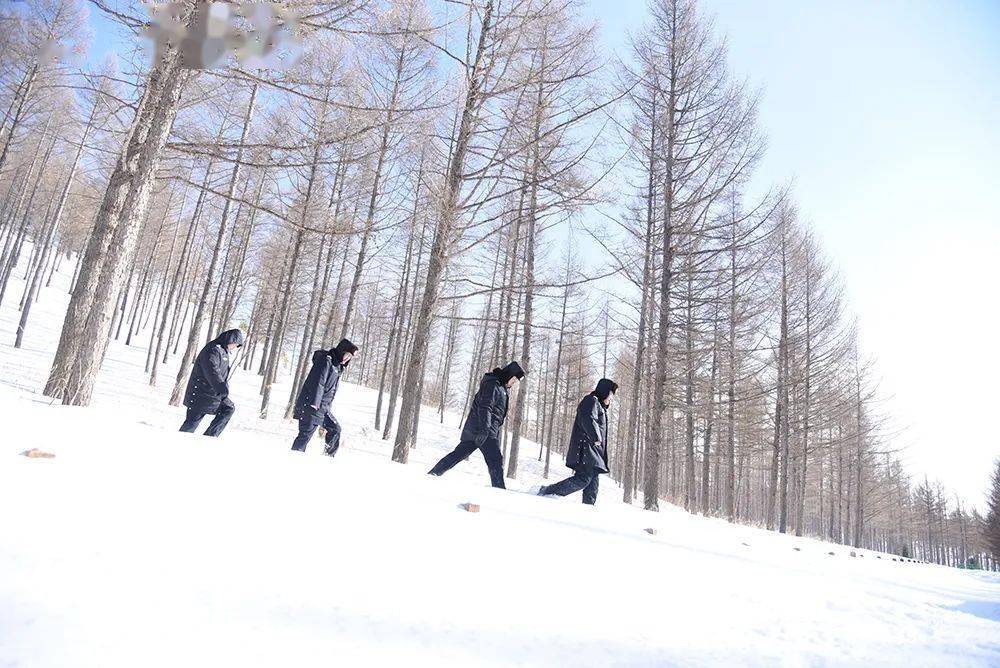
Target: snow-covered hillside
x,y
140,546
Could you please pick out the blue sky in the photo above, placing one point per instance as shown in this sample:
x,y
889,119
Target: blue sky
x,y
884,115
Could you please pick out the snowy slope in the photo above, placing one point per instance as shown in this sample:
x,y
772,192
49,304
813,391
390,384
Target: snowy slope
x,y
140,546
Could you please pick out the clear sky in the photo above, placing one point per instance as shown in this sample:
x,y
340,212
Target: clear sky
x,y
886,117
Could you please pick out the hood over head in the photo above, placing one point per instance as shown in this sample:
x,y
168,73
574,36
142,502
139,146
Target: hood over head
x,y
605,388
230,336
512,370
337,352
345,346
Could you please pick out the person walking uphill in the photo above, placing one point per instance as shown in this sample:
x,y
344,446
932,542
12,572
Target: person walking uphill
x,y
588,447
312,407
207,390
482,426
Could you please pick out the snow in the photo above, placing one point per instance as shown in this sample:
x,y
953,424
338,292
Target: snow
x,y
140,546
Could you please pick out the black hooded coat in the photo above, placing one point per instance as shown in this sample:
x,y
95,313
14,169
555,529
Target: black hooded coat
x,y
489,408
320,386
588,445
208,384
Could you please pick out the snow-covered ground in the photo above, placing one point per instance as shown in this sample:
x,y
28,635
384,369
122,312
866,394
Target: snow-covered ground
x,y
138,546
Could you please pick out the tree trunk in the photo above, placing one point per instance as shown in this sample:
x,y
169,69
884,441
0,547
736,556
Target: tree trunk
x,y
20,95
441,247
448,354
628,480
163,301
194,333
652,461
304,352
529,268
176,287
709,422
800,510
729,498
84,337
689,465
555,384
274,355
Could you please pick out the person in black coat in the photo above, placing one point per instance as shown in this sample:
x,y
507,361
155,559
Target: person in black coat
x,y
482,426
588,446
312,406
207,390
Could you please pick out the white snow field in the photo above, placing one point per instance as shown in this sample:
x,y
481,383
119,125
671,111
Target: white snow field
x,y
137,546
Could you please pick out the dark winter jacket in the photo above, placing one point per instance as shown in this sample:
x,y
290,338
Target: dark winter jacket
x,y
320,386
209,381
489,410
588,442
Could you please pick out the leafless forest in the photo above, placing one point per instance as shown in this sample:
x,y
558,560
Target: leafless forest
x,y
454,185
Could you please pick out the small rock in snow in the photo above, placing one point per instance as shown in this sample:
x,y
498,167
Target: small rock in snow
x,y
35,453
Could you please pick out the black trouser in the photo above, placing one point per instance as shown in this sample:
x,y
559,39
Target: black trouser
x,y
222,415
308,424
491,453
585,478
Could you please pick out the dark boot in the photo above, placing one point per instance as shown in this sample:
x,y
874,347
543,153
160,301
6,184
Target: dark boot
x,y
332,428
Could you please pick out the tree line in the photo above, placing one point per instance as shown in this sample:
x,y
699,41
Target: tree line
x,y
455,185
